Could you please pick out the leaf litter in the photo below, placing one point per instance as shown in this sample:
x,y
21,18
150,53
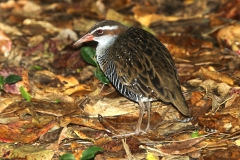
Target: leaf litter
x,y
70,109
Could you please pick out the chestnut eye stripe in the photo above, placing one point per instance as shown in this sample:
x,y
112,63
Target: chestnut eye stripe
x,y
104,28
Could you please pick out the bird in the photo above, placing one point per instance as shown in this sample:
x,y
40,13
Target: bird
x,y
138,65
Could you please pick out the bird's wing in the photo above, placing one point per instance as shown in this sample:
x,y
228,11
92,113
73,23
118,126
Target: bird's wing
x,y
144,66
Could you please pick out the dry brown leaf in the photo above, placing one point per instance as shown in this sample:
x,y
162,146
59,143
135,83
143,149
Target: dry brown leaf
x,y
183,147
114,15
35,40
203,72
82,24
67,34
147,19
26,151
166,128
53,136
80,90
48,26
208,85
10,29
103,140
177,20
85,136
44,75
30,7
194,82
185,46
127,150
50,108
68,81
115,145
8,4
53,96
147,15
199,105
230,153
196,97
223,89
215,143
221,123
5,100
91,123
26,131
228,37
231,101
232,107
237,142
5,43
195,154
111,107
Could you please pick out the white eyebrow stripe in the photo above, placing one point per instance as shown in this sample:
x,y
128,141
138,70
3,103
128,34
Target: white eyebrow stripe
x,y
105,28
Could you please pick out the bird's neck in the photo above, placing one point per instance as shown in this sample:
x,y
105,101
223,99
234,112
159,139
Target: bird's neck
x,y
103,46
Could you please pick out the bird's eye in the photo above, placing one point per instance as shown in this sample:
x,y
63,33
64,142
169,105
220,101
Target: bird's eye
x,y
100,31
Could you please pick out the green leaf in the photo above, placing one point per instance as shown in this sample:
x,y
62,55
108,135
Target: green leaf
x,y
2,82
151,156
25,94
90,152
36,67
67,156
12,79
89,55
194,134
78,70
101,76
57,101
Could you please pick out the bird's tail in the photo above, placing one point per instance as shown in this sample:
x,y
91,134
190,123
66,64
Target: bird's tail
x,y
180,103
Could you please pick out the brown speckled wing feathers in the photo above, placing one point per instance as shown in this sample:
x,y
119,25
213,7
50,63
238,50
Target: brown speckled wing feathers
x,y
145,67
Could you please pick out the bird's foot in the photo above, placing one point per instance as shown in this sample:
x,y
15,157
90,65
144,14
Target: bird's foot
x,y
148,126
138,132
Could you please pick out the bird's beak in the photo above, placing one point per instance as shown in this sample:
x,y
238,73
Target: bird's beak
x,y
86,38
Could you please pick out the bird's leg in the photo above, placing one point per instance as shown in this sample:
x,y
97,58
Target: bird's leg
x,y
142,106
148,105
141,113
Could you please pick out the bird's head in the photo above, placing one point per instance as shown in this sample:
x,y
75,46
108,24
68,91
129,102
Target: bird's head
x,y
104,32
